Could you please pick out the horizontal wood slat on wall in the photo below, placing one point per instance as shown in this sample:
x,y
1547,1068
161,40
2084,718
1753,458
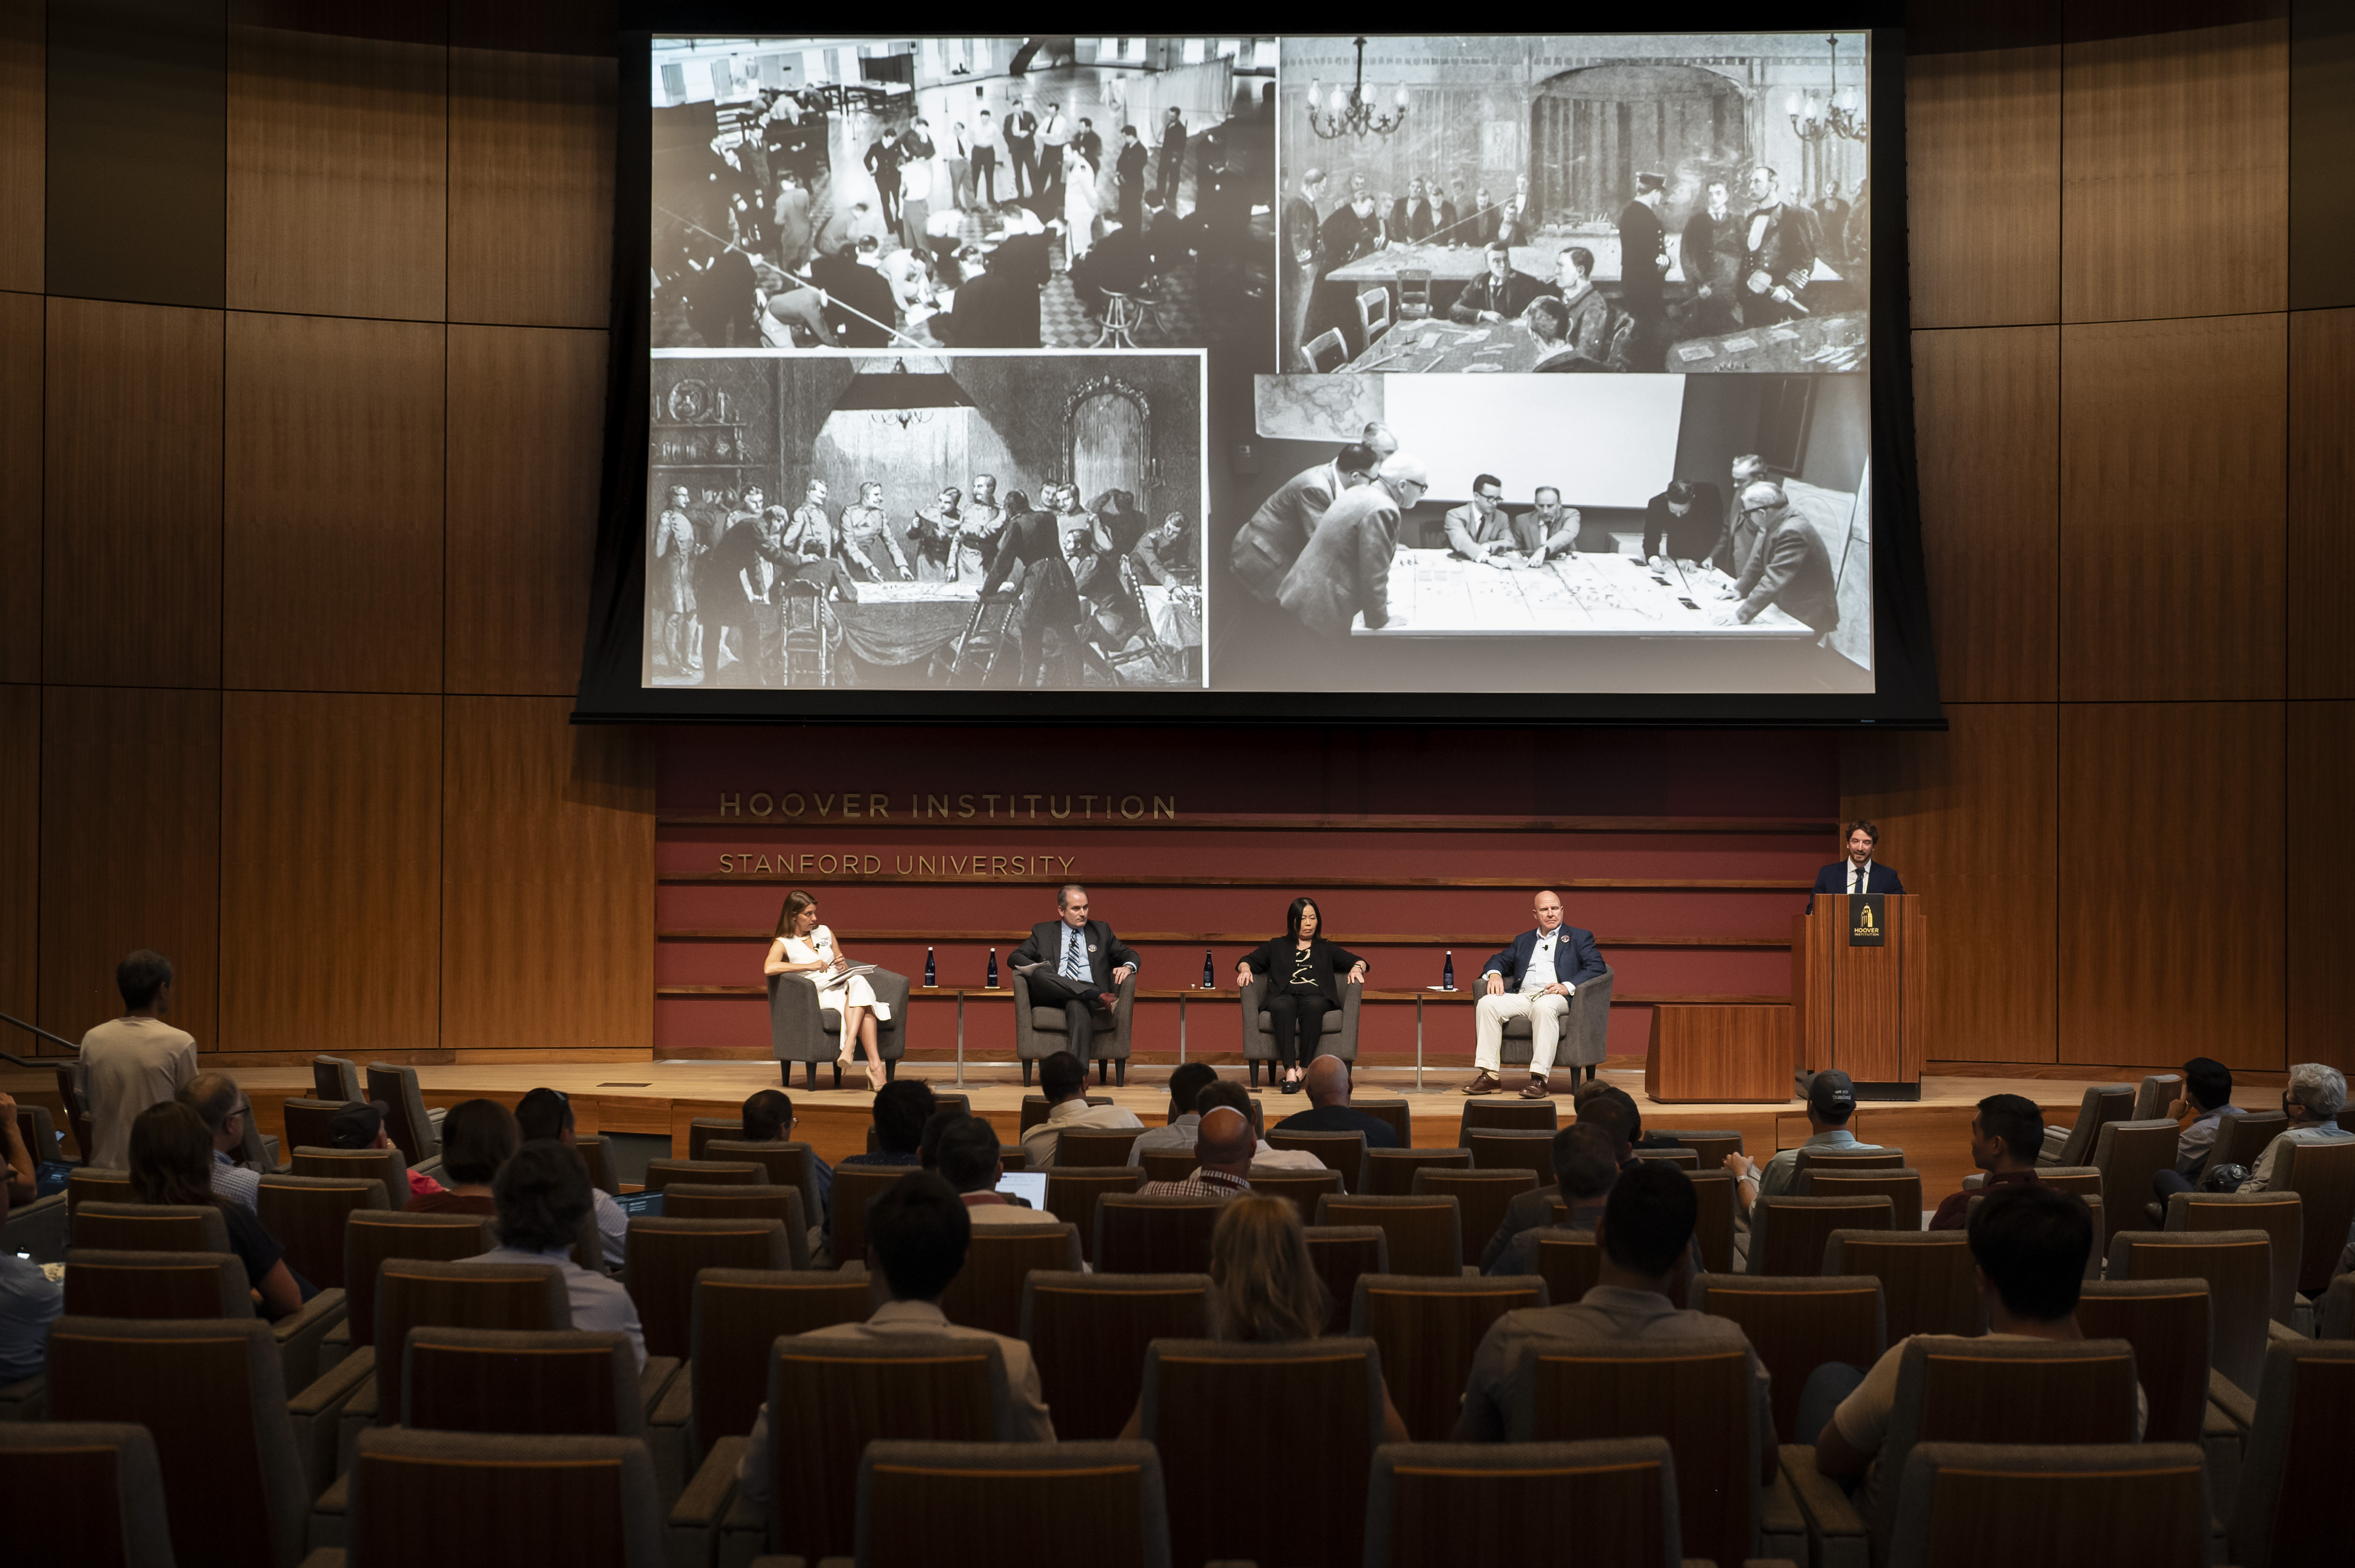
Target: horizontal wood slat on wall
x,y
1696,885
1230,938
1265,823
1191,993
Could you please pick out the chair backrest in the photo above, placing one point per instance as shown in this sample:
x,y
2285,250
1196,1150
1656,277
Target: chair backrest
x,y
1343,1153
2296,1453
1427,1329
1096,1146
1901,1188
1695,1396
2141,1504
1391,1111
1507,1149
563,1382
405,1122
2159,1090
1035,1109
738,1313
2334,1315
661,1173
1426,1233
2241,1139
1682,1158
1849,1159
1142,1234
1100,1502
988,1291
595,1155
388,1166
854,1187
1414,291
1014,1157
664,1254
1519,1503
212,1393
2166,1321
2085,1180
103,1284
1072,1195
1341,1254
722,1201
1569,1261
2103,1103
1088,1333
1502,1114
702,1130
1709,1145
83,1491
1373,312
1481,1197
413,1293
593,1499
92,1184
151,1227
1928,1279
1797,1323
1714,1225
2238,1268
788,1164
305,1214
2281,1215
2323,1175
1162,1164
1389,1173
371,1236
39,1133
830,1397
2129,1154
336,1079
1327,352
1316,1416
1787,1234
1302,1188
307,1122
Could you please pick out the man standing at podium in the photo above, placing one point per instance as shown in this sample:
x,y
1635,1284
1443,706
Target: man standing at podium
x,y
1860,873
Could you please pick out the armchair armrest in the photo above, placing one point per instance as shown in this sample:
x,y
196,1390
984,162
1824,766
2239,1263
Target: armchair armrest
x,y
316,1414
691,1532
796,1033
331,1515
301,1331
334,1346
2225,1396
25,1398
1834,1529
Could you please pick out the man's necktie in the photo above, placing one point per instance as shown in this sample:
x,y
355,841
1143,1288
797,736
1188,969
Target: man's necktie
x,y
1075,965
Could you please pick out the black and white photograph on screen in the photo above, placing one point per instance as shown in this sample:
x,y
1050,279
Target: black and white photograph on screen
x,y
846,192
1642,533
975,521
1639,202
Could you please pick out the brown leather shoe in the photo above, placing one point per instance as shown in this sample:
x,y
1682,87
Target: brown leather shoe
x,y
1535,1089
1483,1083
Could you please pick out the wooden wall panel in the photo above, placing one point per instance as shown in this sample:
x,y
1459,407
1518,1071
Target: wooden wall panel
x,y
2322,527
548,880
527,423
1966,818
331,838
334,486
532,187
1990,524
20,855
20,487
2173,497
24,106
2321,146
2172,873
2320,827
338,175
2176,174
1983,186
131,496
130,849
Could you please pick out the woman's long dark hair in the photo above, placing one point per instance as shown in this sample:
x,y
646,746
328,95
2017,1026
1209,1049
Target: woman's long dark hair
x,y
795,902
172,1157
1292,915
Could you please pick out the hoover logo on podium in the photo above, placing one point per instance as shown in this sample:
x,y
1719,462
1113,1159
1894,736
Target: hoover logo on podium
x,y
1868,920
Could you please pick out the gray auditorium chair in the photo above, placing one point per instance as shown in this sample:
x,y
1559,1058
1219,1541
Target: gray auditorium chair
x,y
1338,1036
800,1031
1011,1491
2159,1091
2073,1145
412,1130
2144,1503
335,1078
1585,1032
1040,1032
83,1491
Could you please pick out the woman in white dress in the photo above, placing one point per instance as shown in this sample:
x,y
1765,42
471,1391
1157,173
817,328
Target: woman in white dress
x,y
805,946
1080,207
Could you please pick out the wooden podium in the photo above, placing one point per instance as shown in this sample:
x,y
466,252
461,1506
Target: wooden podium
x,y
1858,972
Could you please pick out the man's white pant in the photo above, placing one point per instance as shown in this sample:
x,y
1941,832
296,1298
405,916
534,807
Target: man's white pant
x,y
1545,1014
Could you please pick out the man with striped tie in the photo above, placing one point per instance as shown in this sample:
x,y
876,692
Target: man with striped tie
x,y
1077,962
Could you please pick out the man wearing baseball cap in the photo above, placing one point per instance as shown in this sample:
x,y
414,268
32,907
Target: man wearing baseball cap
x,y
360,1125
1831,1100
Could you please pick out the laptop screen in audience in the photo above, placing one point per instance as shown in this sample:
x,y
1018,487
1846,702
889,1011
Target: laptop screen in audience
x,y
1030,1186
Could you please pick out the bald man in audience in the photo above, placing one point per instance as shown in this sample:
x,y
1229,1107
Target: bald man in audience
x,y
1226,1145
1345,572
216,1098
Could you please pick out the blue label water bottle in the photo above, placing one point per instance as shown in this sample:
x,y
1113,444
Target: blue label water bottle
x,y
1208,983
993,969
1447,972
931,975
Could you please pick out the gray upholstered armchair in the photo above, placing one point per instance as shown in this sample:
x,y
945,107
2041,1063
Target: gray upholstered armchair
x,y
1040,1032
1586,1034
1338,1038
802,1031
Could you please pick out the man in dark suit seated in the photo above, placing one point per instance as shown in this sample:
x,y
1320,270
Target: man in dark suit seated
x,y
858,306
1858,872
1533,979
1329,1099
995,307
1119,263
1499,295
1077,963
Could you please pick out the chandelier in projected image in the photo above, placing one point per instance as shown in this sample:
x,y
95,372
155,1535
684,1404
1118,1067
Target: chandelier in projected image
x,y
1841,111
1351,112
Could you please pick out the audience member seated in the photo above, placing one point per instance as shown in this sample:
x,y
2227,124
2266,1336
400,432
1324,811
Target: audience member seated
x,y
133,1062
1831,1100
216,1098
1063,1079
1585,1166
2031,1243
172,1164
1234,1096
2312,1100
1185,1086
1226,1149
902,1106
477,1138
1646,1238
1596,1089
917,1235
29,1300
1328,1100
360,1125
542,1195
545,1115
969,1162
1264,1289
23,1179
928,1148
2206,1101
2006,1135
769,1118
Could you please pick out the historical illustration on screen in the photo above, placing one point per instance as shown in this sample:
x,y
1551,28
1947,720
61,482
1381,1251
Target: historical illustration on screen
x,y
967,193
983,521
1682,203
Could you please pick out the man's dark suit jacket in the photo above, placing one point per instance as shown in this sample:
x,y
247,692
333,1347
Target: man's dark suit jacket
x,y
1343,236
1508,299
1033,540
862,287
1584,960
1379,1133
996,310
1833,878
1106,952
1689,538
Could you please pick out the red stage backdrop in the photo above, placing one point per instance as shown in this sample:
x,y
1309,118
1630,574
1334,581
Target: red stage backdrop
x,y
1685,852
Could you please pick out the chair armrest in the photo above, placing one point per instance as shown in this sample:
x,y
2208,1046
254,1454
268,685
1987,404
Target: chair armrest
x,y
656,1378
317,1415
1831,1515
331,1516
709,1497
796,1561
301,1331
25,1399
2224,1396
334,1387
334,1345
324,1557
2276,1329
674,1402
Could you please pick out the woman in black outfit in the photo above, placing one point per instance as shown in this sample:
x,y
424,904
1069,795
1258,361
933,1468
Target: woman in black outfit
x,y
1306,974
172,1162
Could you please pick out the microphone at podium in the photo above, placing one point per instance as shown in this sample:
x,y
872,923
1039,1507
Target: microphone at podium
x,y
1856,871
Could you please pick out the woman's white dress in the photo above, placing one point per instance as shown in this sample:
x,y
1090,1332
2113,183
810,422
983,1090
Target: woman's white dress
x,y
818,948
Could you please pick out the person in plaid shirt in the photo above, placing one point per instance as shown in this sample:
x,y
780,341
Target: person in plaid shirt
x,y
1226,1146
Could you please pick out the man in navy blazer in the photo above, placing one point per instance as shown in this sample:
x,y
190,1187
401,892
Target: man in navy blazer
x,y
1077,963
1860,873
1532,979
